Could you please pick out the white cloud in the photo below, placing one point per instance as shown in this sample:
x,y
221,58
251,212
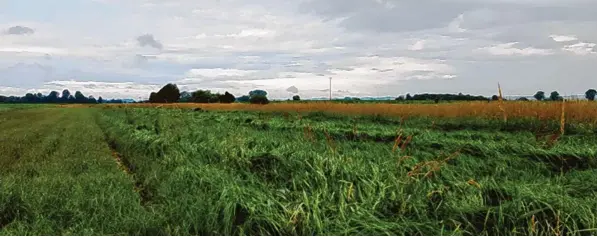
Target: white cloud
x,y
508,49
218,72
581,48
418,45
563,38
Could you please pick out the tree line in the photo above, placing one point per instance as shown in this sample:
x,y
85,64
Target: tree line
x,y
540,96
56,97
171,94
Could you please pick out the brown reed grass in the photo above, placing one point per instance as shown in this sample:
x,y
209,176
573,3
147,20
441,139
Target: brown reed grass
x,y
576,111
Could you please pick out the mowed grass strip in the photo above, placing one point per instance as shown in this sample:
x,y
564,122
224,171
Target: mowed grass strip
x,y
234,173
58,178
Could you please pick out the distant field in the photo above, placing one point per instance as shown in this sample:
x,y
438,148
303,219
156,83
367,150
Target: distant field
x,y
450,169
576,111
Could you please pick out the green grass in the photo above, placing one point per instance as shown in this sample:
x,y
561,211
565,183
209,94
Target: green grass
x,y
57,177
248,173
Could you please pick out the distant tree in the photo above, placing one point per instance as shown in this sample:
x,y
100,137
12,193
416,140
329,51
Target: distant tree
x,y
400,98
590,94
227,98
80,98
257,92
185,97
296,98
244,98
201,96
30,98
215,98
100,100
555,96
495,97
91,100
522,99
40,98
409,97
66,95
540,95
53,97
258,99
168,94
153,98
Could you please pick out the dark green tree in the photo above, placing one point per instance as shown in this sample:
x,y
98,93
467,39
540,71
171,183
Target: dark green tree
x,y
30,98
257,92
53,97
540,96
244,98
153,97
67,97
590,94
80,98
227,98
91,100
259,99
201,96
296,98
168,94
555,96
215,98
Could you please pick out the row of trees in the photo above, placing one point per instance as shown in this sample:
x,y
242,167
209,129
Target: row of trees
x,y
555,96
54,97
591,94
171,94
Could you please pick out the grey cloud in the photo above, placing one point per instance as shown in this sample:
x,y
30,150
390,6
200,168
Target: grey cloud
x,y
20,30
418,15
406,15
292,89
149,40
382,70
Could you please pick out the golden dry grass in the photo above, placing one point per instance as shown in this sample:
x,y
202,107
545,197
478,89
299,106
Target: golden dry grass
x,y
576,111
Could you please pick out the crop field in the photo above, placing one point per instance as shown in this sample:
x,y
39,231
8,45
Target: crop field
x,y
287,169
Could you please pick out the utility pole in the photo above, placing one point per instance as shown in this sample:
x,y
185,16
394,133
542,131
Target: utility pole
x,y
330,88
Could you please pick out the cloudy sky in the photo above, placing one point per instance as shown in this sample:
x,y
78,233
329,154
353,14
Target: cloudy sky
x,y
127,48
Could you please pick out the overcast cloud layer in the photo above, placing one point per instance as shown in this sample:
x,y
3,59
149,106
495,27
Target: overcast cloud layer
x,y
125,49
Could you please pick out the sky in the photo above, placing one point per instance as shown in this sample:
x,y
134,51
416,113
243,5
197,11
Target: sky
x,y
128,48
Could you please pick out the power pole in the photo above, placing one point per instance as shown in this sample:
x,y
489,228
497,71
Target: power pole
x,y
330,88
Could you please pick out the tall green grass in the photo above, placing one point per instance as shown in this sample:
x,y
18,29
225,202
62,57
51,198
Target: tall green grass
x,y
250,173
57,177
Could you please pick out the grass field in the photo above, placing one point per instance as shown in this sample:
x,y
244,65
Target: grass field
x,y
177,171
